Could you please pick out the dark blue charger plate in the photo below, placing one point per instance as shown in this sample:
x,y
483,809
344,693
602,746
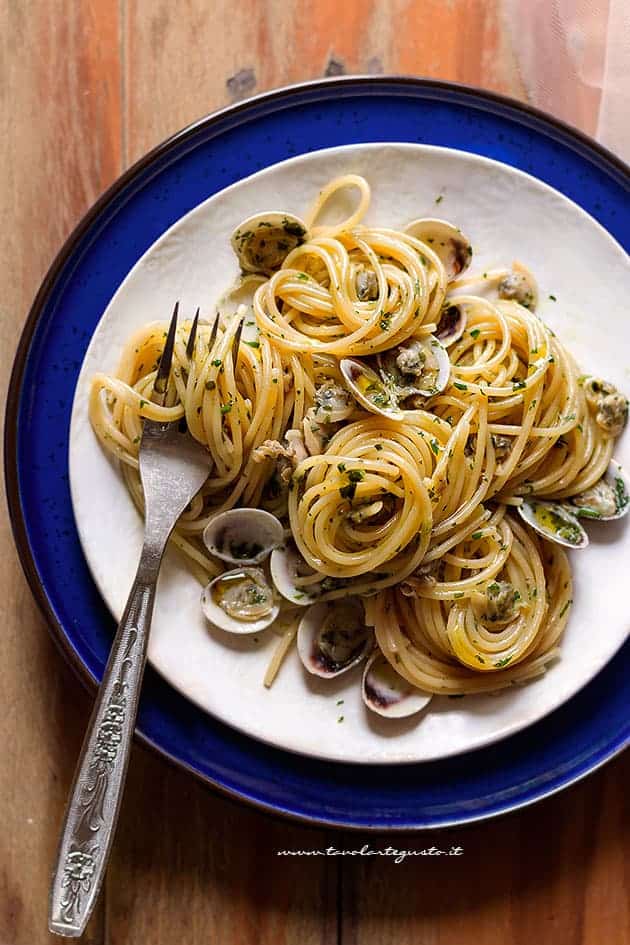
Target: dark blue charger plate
x,y
185,170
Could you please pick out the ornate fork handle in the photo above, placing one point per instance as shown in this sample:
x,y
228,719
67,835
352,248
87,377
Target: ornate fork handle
x,y
94,803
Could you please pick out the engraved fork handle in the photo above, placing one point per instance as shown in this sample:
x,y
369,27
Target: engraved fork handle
x,y
94,803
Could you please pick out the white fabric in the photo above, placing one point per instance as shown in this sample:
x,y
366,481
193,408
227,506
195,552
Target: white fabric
x,y
573,57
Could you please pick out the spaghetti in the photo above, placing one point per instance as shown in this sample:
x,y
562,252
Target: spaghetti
x,y
409,505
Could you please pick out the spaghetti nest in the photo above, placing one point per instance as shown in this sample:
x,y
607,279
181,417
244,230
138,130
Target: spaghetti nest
x,y
412,512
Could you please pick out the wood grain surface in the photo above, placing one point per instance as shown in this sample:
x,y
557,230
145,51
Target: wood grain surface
x,y
86,87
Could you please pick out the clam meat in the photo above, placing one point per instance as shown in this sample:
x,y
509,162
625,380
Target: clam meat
x,y
332,637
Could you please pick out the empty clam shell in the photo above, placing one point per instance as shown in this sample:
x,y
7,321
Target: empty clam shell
x,y
369,390
554,521
332,637
243,536
240,601
262,242
452,322
385,692
446,241
608,499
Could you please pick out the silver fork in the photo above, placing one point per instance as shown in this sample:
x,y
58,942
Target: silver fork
x,y
173,467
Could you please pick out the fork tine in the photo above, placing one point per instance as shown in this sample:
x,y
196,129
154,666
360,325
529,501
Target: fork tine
x,y
237,340
190,347
164,370
213,333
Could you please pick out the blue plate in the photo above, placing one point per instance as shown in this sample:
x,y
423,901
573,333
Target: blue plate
x,y
148,199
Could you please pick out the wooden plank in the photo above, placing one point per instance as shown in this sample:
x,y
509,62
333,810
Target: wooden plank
x,y
186,60
190,865
59,82
552,873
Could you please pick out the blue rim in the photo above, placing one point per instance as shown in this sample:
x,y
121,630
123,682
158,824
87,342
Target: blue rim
x,y
202,159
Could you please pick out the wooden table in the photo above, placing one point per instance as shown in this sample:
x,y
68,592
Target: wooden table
x,y
86,87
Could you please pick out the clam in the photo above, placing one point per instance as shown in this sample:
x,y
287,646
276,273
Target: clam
x,y
287,565
519,286
609,405
446,241
608,499
385,692
243,536
369,390
418,367
366,285
554,522
298,583
240,601
452,322
262,242
332,403
332,637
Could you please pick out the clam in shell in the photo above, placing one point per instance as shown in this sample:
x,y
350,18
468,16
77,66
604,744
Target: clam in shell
x,y
262,242
240,601
453,321
332,637
446,241
554,521
607,500
419,367
243,536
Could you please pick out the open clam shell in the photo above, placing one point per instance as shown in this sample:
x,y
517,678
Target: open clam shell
x,y
332,637
243,536
385,692
607,500
418,367
446,241
240,601
452,324
263,241
554,521
286,563
369,390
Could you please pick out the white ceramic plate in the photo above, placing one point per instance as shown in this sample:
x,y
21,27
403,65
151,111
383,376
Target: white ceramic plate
x,y
507,215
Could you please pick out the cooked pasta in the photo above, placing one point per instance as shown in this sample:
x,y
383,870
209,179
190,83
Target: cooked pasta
x,y
396,416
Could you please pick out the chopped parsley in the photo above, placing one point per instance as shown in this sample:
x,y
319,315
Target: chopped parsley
x,y
435,446
501,663
476,535
460,386
217,362
475,332
553,298
565,608
225,408
356,475
252,344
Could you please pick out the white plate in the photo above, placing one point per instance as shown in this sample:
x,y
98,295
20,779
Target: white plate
x,y
507,215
